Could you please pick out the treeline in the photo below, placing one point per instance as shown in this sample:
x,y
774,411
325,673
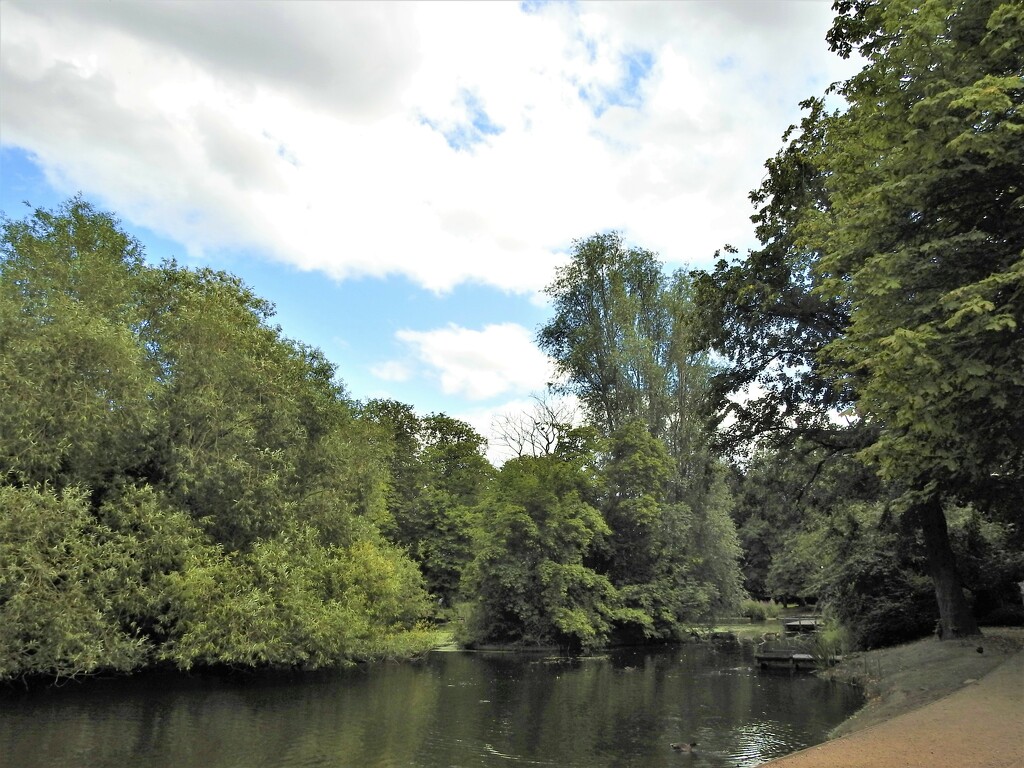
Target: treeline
x,y
184,486
181,484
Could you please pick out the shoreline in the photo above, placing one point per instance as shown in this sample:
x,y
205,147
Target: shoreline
x,y
902,678
930,702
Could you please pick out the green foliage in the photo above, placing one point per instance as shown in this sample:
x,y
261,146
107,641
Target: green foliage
x,y
927,246
438,475
759,610
291,601
888,287
991,563
529,581
59,574
624,335
75,381
180,483
610,332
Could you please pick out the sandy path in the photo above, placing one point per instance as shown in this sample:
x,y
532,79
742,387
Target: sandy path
x,y
978,726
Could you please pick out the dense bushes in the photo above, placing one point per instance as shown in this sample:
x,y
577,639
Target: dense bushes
x,y
78,595
180,484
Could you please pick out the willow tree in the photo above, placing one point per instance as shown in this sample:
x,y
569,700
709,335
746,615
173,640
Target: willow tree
x,y
609,335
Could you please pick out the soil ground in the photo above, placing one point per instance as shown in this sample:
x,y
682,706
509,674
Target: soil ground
x,y
931,703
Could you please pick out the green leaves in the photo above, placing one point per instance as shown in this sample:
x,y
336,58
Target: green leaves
x,y
215,495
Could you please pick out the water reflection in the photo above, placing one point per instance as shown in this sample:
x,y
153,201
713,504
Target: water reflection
x,y
452,709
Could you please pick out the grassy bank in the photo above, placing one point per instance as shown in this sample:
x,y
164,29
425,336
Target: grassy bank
x,y
905,677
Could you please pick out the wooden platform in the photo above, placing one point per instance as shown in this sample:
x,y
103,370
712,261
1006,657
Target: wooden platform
x,y
798,626
785,659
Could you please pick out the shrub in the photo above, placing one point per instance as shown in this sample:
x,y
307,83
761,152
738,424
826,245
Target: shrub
x,y
759,610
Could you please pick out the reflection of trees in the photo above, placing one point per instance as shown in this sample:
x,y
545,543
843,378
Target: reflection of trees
x,y
450,709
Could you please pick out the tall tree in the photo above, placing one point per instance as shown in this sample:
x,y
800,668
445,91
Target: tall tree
x,y
924,239
625,336
610,332
890,281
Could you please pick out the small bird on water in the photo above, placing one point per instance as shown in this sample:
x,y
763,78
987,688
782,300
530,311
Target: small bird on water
x,y
681,747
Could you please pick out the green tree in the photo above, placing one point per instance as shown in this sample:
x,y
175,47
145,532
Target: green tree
x,y
764,314
610,332
438,474
183,483
529,582
625,337
924,240
893,238
76,384
58,572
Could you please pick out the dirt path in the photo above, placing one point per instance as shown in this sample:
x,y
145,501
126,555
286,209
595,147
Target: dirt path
x,y
978,726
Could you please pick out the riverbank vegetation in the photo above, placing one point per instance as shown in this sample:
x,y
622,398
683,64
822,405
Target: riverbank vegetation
x,y
184,486
833,417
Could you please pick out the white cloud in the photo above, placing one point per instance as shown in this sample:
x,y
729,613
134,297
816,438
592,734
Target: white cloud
x,y
479,365
391,370
446,142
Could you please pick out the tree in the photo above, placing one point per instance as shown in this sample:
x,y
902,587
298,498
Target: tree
x,y
438,474
764,314
538,432
77,385
624,336
183,483
892,251
924,241
610,332
529,581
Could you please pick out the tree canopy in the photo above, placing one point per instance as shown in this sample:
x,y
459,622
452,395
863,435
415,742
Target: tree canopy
x,y
181,484
882,313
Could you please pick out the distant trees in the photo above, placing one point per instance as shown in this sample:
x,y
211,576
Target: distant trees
x,y
438,478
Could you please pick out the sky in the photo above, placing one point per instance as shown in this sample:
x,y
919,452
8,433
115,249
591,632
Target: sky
x,y
402,180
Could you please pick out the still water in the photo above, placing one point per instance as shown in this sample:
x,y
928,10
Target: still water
x,y
449,709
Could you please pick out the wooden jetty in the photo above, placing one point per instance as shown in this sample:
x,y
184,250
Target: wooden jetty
x,y
801,625
784,658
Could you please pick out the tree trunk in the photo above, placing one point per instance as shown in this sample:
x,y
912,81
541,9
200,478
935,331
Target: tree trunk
x,y
955,616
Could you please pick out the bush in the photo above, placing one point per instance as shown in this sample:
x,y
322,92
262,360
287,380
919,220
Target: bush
x,y
759,610
59,577
881,602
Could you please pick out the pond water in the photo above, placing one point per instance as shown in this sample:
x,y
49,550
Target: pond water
x,y
447,710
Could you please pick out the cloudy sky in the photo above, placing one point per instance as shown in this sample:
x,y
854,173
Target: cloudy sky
x,y
402,179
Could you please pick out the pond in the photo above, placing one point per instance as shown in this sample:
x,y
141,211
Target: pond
x,y
447,710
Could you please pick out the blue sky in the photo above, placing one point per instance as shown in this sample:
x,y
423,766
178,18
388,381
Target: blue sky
x,y
403,179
